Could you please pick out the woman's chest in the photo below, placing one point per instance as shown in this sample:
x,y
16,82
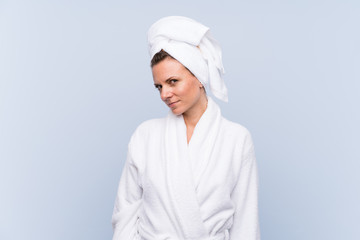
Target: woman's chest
x,y
211,172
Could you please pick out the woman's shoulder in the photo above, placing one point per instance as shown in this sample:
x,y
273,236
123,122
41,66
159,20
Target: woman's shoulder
x,y
151,125
236,128
237,133
146,136
149,128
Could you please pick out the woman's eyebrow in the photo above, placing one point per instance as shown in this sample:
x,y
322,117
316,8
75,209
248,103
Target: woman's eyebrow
x,y
166,81
170,78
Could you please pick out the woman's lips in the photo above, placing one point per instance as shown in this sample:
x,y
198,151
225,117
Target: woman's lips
x,y
172,105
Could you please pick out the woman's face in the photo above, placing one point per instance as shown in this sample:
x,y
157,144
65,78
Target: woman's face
x,y
179,89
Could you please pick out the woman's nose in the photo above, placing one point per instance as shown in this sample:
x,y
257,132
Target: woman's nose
x,y
166,93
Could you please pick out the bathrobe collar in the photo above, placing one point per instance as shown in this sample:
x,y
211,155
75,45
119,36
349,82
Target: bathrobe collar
x,y
185,164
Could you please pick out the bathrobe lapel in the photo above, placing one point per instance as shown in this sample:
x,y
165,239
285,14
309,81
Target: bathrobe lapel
x,y
202,143
184,176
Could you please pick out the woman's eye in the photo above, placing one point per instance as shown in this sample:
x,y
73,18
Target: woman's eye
x,y
158,87
172,81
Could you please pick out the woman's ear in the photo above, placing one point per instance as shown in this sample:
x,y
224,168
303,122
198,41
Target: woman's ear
x,y
200,84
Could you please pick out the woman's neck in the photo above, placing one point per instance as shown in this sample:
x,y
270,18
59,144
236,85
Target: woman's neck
x,y
192,117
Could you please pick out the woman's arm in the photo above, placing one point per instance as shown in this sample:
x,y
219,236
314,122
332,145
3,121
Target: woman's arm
x,y
128,202
245,196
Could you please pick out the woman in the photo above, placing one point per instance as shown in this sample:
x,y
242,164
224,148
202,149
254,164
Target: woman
x,y
191,175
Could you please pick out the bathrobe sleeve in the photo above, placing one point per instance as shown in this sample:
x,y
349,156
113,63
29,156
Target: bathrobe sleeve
x,y
245,197
128,202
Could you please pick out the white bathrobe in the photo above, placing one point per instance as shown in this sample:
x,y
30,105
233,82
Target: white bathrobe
x,y
204,190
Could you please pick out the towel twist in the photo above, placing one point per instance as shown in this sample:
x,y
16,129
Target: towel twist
x,y
190,43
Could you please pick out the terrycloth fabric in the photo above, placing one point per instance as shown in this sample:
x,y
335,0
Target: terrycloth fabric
x,y
191,44
204,190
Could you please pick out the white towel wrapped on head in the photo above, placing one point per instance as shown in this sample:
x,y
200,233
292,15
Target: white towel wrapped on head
x,y
190,43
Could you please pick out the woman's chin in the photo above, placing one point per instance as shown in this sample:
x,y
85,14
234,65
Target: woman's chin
x,y
176,111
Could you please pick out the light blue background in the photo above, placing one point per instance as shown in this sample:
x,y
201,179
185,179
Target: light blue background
x,y
75,82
